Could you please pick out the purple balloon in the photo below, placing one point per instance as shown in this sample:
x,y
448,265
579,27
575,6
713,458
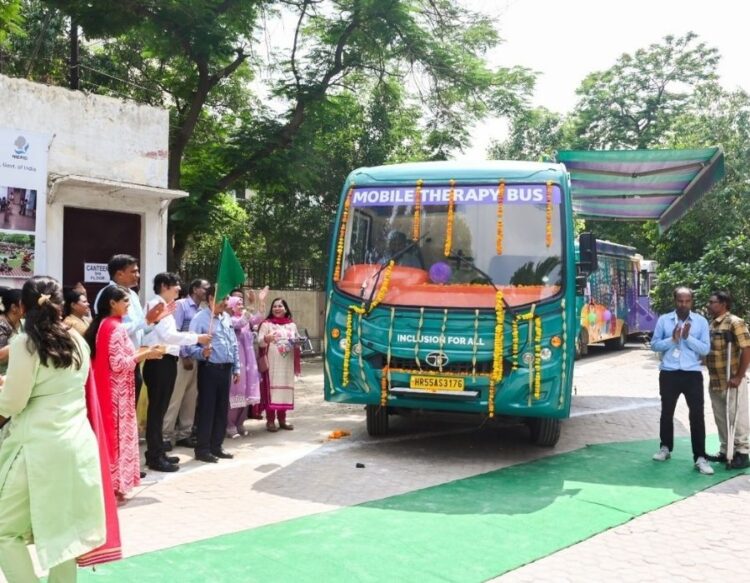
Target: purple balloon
x,y
440,272
607,315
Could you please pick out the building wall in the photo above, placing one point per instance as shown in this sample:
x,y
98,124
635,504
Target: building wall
x,y
91,135
99,138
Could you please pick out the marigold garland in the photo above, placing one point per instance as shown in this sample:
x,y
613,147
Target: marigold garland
x,y
417,210
347,349
514,354
449,221
474,346
419,337
500,202
384,387
548,228
563,373
442,337
342,234
497,354
383,287
537,357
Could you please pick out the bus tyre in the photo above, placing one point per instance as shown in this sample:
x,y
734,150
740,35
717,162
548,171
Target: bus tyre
x,y
544,431
377,420
619,342
582,343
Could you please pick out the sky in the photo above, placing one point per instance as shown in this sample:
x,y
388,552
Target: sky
x,y
565,41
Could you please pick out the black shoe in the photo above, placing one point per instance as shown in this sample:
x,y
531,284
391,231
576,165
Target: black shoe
x,y
171,459
719,457
206,457
190,442
143,475
223,454
167,445
740,461
163,466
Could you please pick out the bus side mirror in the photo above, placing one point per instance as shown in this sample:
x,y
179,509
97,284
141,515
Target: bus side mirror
x,y
589,261
581,284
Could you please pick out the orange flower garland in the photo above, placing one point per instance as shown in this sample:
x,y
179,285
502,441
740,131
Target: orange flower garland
x,y
449,221
417,210
548,228
342,234
384,387
500,202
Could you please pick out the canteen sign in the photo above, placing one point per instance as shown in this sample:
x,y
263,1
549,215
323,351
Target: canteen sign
x,y
440,195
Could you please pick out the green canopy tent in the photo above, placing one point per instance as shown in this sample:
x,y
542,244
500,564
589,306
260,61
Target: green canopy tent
x,y
661,185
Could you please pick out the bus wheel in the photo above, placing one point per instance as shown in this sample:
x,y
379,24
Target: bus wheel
x,y
582,344
619,342
377,420
544,431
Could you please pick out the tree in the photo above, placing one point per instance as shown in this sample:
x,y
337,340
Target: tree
x,y
634,104
10,19
198,58
535,134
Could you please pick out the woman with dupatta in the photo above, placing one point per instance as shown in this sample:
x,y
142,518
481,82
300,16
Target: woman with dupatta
x,y
279,356
246,392
50,473
114,358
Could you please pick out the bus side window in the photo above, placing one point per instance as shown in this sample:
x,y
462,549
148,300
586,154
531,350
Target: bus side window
x,y
643,283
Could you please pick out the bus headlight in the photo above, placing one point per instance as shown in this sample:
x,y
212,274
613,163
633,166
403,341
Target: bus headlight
x,y
357,348
545,353
527,358
342,344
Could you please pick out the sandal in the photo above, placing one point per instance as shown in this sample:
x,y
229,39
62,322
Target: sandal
x,y
287,426
271,427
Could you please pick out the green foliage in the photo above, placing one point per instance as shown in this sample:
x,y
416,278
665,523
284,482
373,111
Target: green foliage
x,y
11,19
725,265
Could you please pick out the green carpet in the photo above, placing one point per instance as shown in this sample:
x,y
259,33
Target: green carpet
x,y
468,530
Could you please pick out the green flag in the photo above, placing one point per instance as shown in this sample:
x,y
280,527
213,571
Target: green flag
x,y
230,274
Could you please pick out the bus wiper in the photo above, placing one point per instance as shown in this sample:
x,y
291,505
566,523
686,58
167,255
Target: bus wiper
x,y
460,259
395,257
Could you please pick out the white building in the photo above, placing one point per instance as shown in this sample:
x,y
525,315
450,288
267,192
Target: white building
x,y
104,190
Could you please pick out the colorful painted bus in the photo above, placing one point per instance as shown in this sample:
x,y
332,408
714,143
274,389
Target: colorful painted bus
x,y
615,304
453,288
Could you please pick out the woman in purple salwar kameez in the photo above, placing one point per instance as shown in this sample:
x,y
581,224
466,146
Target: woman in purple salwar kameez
x,y
246,392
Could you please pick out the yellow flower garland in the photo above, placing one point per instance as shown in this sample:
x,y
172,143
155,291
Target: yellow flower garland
x,y
564,366
500,202
537,357
497,355
417,210
548,228
383,287
342,234
449,221
347,349
514,354
474,346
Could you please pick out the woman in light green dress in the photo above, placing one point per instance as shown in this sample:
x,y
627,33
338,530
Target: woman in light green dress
x,y
50,480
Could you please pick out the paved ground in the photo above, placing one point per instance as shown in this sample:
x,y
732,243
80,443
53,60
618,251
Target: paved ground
x,y
284,475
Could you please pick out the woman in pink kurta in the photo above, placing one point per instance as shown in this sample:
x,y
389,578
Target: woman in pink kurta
x,y
114,359
247,391
277,338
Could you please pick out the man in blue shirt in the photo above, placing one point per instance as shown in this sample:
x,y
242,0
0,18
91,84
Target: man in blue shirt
x,y
218,366
681,338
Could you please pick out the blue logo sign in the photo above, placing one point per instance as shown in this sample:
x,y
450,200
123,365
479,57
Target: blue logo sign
x,y
21,146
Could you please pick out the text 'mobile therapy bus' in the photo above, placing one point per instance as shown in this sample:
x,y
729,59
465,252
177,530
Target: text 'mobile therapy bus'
x,y
453,287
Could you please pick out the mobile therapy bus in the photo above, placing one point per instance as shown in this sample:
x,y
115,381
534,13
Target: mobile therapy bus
x,y
452,287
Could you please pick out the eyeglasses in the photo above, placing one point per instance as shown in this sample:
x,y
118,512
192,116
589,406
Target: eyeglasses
x,y
714,302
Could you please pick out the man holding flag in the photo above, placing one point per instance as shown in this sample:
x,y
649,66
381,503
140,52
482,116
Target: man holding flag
x,y
219,362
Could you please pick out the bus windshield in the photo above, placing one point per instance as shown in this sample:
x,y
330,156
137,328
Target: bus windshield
x,y
453,259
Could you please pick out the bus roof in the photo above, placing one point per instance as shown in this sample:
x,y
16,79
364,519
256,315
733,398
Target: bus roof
x,y
610,248
487,171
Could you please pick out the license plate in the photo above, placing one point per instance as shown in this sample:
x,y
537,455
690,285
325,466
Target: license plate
x,y
430,383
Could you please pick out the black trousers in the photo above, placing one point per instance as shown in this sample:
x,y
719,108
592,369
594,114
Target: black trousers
x,y
213,405
138,383
159,376
671,385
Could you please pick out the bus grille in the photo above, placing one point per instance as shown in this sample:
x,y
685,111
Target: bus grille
x,y
452,367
